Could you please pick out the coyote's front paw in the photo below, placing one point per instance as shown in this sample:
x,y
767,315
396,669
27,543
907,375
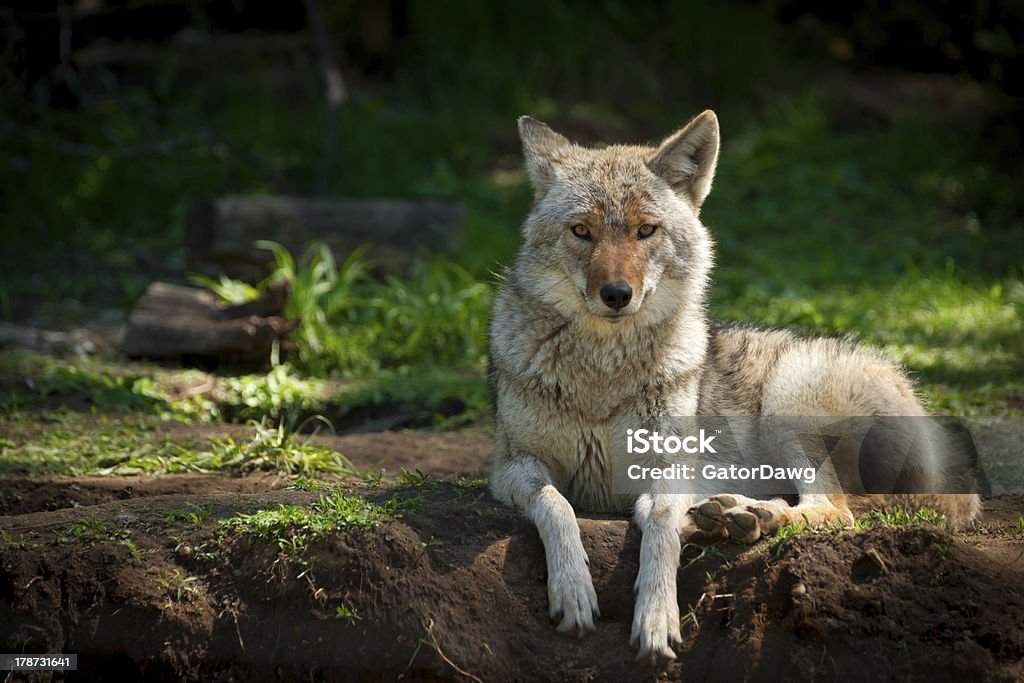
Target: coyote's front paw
x,y
655,626
748,523
572,598
736,517
709,515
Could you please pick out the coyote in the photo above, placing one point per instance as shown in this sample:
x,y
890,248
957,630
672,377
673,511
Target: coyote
x,y
603,314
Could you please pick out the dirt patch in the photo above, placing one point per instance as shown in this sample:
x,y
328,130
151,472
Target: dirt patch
x,y
23,495
442,454
455,590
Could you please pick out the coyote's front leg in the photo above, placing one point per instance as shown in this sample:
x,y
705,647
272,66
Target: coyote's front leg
x,y
656,615
524,482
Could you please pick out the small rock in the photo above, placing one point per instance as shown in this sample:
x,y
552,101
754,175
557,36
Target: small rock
x,y
799,590
868,566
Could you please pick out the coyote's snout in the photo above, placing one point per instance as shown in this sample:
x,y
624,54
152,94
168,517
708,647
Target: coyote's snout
x,y
603,314
614,258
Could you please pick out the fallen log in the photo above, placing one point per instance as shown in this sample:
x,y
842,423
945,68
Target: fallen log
x,y
171,321
220,234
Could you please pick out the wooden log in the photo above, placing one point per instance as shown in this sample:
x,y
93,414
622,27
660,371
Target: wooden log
x,y
171,321
220,235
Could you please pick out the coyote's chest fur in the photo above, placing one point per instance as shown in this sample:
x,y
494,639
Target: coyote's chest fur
x,y
560,386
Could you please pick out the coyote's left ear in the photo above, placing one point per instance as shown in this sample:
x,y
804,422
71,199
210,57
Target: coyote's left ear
x,y
687,158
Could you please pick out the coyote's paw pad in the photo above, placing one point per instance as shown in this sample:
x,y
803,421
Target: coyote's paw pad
x,y
655,628
748,523
709,515
572,599
742,519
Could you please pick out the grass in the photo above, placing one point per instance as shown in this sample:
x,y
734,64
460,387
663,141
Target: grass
x,y
74,443
278,449
294,527
704,552
332,512
178,394
888,518
444,396
353,324
81,444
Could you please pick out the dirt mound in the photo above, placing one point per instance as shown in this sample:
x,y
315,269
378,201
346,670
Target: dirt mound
x,y
888,604
455,590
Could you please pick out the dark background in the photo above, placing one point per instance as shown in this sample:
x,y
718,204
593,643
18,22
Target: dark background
x,y
869,181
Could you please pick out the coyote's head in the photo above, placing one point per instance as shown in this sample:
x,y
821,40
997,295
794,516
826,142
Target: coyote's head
x,y
615,231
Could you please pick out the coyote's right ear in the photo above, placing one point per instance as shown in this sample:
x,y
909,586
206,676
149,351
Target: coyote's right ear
x,y
539,145
687,158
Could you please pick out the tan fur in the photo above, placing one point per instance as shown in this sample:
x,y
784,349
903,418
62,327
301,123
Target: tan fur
x,y
563,364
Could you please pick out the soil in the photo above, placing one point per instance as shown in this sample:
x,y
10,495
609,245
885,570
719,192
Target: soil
x,y
455,589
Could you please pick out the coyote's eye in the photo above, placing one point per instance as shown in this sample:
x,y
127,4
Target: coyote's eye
x,y
645,231
581,231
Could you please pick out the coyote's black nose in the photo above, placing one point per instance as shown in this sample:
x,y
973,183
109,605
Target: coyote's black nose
x,y
616,295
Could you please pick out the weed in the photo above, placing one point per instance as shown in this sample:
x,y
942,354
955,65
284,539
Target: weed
x,y
229,291
417,479
689,617
301,483
705,552
93,530
194,516
276,448
178,585
346,614
134,550
431,543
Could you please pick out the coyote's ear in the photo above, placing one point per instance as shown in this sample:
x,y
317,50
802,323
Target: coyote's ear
x,y
539,144
687,158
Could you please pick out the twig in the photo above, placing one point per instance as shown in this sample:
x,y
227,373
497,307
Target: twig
x,y
437,649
